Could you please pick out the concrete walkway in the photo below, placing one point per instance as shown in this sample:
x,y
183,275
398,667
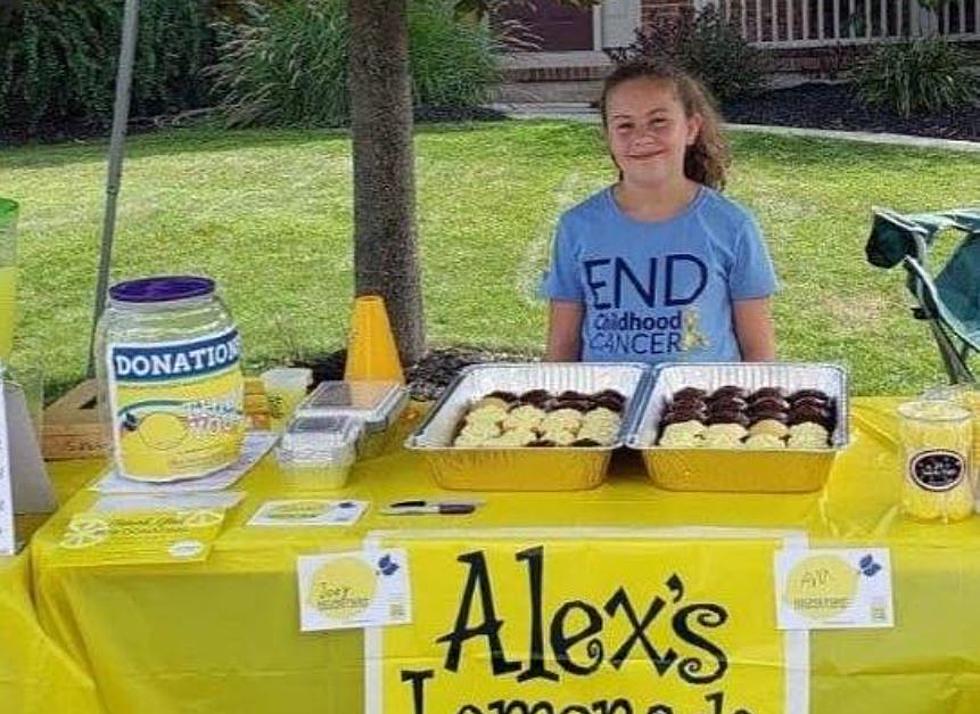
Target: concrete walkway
x,y
585,113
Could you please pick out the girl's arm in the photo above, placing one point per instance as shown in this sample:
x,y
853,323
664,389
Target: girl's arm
x,y
564,336
754,329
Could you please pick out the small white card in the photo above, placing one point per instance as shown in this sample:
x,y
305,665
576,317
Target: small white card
x,y
126,502
255,446
833,588
308,512
354,590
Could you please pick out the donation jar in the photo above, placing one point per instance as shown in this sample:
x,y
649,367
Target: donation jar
x,y
170,378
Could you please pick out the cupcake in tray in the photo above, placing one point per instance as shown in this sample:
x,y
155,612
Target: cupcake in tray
x,y
732,417
538,418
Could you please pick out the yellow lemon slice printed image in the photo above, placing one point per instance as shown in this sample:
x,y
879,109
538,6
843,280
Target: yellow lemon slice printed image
x,y
298,510
84,532
200,518
821,587
162,431
343,588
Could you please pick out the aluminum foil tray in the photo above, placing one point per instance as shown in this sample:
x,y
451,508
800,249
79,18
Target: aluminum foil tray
x,y
789,470
523,468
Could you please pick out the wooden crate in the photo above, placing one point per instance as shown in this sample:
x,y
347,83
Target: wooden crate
x,y
72,428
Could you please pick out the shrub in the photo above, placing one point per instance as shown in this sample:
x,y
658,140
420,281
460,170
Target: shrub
x,y
58,59
706,44
917,76
287,64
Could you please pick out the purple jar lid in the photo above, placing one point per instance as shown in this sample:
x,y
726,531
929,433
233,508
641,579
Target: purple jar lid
x,y
161,288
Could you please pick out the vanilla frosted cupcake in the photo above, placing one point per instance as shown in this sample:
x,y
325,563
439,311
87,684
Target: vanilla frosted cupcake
x,y
602,416
487,414
764,441
526,417
808,436
515,437
683,435
492,402
769,426
692,426
481,429
560,437
725,431
602,433
561,419
724,436
470,440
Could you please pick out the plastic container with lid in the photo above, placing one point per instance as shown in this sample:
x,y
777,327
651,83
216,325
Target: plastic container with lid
x,y
318,451
171,386
377,404
285,388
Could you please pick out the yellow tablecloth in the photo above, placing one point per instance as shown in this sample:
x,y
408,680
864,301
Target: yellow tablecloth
x,y
36,675
222,636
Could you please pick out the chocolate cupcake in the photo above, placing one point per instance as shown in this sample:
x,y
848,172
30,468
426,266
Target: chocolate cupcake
x,y
729,390
572,395
775,414
812,402
536,397
506,396
690,393
727,404
677,406
768,393
823,417
731,417
613,405
579,405
801,393
768,404
693,401
676,417
610,394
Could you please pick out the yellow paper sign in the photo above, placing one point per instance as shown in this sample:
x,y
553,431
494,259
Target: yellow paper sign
x,y
158,536
555,626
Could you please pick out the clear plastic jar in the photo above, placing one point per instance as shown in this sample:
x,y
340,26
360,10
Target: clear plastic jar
x,y
170,379
936,440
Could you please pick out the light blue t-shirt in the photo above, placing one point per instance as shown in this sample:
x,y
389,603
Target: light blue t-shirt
x,y
659,291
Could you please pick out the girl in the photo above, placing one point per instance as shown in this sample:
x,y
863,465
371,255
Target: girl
x,y
660,266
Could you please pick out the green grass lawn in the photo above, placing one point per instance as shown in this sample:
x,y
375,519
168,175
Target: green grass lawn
x,y
268,214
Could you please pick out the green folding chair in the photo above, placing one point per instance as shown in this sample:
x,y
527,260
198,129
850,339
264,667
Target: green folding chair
x,y
950,302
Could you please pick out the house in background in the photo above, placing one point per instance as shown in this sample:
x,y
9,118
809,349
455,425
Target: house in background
x,y
800,38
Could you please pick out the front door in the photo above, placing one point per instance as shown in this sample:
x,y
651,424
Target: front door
x,y
556,27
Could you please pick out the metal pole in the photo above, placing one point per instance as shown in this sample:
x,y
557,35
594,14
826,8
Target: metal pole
x,y
120,117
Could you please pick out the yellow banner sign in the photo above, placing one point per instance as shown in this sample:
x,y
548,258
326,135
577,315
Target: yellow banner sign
x,y
587,626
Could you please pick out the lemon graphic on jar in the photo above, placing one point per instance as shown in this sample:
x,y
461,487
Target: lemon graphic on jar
x,y
162,430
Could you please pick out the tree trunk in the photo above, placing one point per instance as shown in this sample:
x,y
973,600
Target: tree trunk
x,y
386,258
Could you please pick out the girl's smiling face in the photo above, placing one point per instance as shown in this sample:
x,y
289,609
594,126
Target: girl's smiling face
x,y
648,131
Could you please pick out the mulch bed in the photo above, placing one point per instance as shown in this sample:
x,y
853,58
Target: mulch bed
x,y
76,130
835,106
427,378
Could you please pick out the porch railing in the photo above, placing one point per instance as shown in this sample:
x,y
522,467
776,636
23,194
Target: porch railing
x,y
819,23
